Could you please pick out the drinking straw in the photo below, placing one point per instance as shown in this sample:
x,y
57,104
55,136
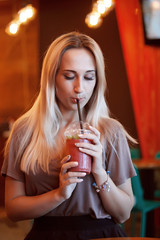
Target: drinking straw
x,y
80,117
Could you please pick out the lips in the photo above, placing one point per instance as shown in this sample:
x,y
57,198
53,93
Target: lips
x,y
74,100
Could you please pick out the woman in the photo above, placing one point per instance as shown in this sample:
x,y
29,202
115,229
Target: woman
x,y
39,185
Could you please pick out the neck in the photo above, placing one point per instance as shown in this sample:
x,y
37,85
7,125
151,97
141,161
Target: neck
x,y
69,118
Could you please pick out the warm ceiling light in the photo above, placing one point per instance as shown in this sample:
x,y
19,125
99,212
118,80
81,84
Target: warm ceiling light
x,y
24,15
108,3
12,28
30,11
93,20
99,9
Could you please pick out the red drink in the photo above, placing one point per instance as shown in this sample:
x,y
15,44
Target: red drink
x,y
71,136
83,159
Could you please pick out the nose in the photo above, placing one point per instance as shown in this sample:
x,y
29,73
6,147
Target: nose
x,y
78,85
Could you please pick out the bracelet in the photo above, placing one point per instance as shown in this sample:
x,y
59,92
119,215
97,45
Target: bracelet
x,y
103,186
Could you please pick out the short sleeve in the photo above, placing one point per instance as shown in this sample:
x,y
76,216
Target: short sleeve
x,y
9,167
119,161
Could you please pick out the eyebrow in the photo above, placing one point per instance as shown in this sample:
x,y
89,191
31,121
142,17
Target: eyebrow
x,y
68,70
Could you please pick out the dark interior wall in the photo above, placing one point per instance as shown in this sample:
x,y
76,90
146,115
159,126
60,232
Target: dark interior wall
x,y
59,17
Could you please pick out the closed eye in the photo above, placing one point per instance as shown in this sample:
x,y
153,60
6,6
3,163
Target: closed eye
x,y
69,77
89,76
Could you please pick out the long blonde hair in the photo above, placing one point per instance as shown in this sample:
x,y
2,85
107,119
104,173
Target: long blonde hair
x,y
34,132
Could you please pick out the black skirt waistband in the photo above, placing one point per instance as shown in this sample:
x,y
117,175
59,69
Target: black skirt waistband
x,y
73,228
70,222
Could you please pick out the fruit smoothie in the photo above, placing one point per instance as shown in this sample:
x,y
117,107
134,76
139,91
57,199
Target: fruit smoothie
x,y
83,159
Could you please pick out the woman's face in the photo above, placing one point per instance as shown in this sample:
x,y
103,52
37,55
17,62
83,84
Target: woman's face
x,y
75,79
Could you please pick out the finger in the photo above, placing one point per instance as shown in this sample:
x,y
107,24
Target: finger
x,y
68,165
92,137
94,141
76,174
74,177
85,145
91,149
74,180
65,159
96,132
95,137
89,152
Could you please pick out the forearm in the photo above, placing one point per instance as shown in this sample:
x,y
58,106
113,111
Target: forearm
x,y
19,206
29,207
118,202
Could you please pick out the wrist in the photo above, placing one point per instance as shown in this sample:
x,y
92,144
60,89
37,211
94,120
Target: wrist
x,y
104,186
100,176
59,198
99,172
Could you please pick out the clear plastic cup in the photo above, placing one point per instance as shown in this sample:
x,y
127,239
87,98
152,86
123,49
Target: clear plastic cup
x,y
71,136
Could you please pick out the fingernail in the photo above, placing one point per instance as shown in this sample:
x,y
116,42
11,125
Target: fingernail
x,y
80,180
75,163
80,135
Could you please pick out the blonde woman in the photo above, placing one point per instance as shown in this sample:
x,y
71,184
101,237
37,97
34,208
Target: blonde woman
x,y
64,204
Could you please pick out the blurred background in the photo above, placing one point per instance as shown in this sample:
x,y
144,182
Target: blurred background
x,y
22,54
132,55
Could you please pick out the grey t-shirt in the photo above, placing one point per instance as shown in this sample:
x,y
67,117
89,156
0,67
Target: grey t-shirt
x,y
84,200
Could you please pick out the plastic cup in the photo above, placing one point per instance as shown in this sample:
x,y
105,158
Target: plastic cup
x,y
83,159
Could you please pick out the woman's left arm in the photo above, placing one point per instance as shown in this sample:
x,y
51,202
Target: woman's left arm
x,y
119,201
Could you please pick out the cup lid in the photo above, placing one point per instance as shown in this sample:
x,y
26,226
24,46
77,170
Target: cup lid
x,y
74,129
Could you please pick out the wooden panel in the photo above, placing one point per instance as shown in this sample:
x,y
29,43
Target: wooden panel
x,y
19,63
19,70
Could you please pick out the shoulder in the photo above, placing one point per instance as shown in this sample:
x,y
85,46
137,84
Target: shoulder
x,y
18,132
20,126
114,124
112,128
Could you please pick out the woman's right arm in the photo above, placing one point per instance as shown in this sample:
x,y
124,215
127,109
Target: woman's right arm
x,y
21,207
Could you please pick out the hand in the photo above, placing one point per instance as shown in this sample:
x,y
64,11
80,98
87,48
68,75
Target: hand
x,y
93,149
68,180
